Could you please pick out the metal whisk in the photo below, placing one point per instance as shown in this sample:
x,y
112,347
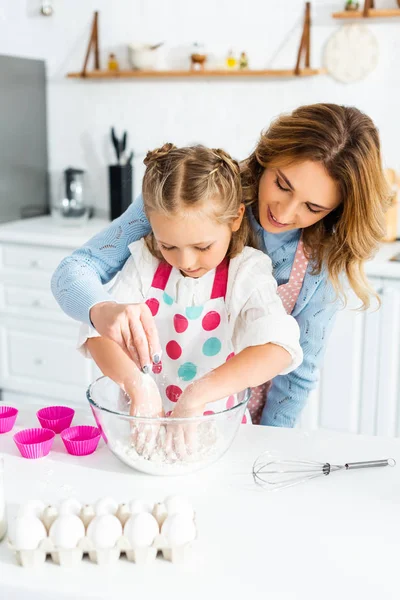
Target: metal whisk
x,y
275,473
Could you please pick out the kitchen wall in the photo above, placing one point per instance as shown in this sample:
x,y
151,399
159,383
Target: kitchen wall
x,y
225,113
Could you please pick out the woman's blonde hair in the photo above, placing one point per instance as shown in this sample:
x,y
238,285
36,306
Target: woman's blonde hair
x,y
179,178
346,142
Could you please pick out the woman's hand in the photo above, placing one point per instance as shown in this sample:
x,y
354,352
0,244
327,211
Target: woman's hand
x,y
132,327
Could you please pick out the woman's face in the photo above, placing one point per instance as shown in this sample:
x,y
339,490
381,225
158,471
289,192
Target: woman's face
x,y
295,197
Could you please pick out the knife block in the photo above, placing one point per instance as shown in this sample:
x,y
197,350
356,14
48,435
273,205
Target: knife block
x,y
120,185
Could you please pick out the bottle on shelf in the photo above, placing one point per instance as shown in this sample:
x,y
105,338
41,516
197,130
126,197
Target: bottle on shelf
x,y
243,61
112,63
231,62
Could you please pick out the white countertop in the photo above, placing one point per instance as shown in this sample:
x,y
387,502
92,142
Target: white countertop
x,y
334,537
381,266
45,231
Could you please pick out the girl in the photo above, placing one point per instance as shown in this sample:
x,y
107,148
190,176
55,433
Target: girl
x,y
318,195
212,297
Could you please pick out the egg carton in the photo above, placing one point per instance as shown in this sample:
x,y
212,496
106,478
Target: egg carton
x,y
102,556
85,546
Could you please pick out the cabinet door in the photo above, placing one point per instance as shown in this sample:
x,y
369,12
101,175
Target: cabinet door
x,y
388,384
41,359
347,395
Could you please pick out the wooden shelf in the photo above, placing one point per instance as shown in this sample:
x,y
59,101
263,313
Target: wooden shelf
x,y
305,72
373,13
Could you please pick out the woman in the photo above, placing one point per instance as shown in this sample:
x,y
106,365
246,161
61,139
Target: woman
x,y
316,194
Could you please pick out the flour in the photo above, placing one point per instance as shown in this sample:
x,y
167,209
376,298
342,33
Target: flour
x,y
207,445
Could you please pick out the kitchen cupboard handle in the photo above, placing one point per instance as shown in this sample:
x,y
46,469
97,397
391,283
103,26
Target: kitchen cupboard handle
x,y
34,263
38,361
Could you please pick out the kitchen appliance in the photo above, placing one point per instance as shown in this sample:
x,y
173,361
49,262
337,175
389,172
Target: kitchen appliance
x,y
70,207
23,135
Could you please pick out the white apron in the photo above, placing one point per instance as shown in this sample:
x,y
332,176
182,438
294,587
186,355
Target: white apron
x,y
194,339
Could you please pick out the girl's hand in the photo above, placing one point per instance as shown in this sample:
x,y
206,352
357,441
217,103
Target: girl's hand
x,y
146,401
132,327
189,404
145,398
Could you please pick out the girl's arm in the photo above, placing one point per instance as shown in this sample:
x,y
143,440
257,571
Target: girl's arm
x,y
77,283
265,338
251,367
115,364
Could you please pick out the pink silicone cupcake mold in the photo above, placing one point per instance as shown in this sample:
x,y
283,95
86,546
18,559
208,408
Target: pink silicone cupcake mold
x,y
8,416
56,418
34,443
81,440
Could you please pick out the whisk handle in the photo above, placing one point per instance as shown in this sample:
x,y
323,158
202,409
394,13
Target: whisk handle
x,y
389,462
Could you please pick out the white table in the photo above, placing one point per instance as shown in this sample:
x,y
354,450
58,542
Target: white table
x,y
334,537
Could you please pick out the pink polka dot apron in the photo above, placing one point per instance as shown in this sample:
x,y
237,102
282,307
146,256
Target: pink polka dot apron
x,y
288,293
194,339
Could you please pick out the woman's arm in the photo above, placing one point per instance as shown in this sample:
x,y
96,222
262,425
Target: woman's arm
x,y
77,283
249,368
289,393
77,286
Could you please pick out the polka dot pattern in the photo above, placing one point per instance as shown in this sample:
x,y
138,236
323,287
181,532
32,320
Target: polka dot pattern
x,y
289,292
153,305
212,346
257,402
167,299
208,412
230,403
193,312
211,320
157,368
173,349
173,393
187,371
180,323
231,355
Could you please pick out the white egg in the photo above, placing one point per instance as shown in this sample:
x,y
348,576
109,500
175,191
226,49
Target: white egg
x,y
123,513
141,530
137,506
104,531
70,506
49,515
160,513
34,508
66,531
179,505
27,532
87,514
106,506
178,529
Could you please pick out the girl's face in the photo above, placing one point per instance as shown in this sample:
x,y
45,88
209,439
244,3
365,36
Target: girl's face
x,y
193,242
295,197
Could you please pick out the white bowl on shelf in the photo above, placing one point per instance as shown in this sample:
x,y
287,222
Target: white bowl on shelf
x,y
144,57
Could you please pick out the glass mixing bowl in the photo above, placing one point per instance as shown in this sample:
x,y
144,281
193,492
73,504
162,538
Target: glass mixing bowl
x,y
162,446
